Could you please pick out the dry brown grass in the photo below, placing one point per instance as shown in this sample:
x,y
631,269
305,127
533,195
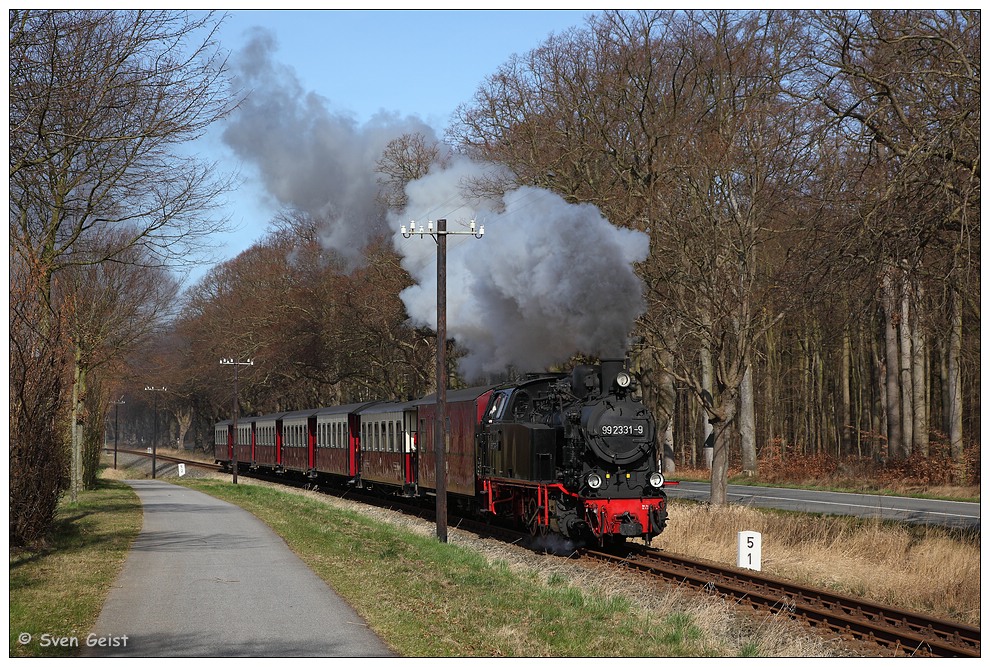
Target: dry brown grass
x,y
924,569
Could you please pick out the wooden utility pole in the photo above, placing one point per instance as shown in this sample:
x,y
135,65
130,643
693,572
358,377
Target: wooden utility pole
x,y
154,440
235,364
116,413
440,427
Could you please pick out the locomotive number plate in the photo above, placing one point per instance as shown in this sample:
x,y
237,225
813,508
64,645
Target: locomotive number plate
x,y
623,429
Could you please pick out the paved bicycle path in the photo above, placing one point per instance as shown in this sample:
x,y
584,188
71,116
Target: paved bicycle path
x,y
207,578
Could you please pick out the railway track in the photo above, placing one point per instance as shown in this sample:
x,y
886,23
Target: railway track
x,y
902,632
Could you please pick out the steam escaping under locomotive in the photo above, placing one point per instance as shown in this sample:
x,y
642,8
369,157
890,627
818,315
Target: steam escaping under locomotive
x,y
572,454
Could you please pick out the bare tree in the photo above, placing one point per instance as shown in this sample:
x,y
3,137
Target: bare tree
x,y
111,308
101,105
37,453
906,83
676,123
405,159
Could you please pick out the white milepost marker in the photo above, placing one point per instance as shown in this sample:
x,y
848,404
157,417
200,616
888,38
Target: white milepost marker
x,y
750,550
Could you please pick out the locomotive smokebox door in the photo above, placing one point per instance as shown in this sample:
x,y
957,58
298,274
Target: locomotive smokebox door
x,y
619,433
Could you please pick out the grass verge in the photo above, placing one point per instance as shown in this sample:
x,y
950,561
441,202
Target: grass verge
x,y
57,591
430,599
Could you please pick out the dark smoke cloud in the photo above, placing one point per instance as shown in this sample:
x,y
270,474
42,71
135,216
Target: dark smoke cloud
x,y
549,279
309,157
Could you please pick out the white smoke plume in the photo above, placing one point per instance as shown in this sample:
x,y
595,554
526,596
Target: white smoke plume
x,y
548,279
309,157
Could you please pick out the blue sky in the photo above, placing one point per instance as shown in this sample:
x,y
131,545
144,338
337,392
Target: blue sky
x,y
411,62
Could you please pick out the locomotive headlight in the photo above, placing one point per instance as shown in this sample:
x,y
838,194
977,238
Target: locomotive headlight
x,y
594,481
623,379
656,480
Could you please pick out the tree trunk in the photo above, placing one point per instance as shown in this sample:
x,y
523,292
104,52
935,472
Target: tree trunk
x,y
895,448
907,374
955,383
919,383
707,399
77,422
878,400
668,393
183,418
747,422
845,428
720,448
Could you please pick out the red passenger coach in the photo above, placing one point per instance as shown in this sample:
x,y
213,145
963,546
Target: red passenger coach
x,y
244,441
386,445
465,407
298,439
267,440
337,441
223,441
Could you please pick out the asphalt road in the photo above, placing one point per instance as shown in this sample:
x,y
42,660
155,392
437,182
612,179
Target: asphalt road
x,y
895,508
208,579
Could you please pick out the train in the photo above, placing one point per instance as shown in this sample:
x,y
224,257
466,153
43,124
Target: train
x,y
567,454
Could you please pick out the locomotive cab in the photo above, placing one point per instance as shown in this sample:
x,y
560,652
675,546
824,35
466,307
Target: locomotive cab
x,y
517,442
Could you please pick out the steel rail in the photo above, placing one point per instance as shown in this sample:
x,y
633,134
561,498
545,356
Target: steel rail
x,y
903,631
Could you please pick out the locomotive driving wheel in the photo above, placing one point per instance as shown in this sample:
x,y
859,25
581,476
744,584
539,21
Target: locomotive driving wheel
x,y
531,515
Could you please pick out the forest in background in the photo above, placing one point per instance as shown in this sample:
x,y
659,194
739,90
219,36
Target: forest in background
x,y
809,183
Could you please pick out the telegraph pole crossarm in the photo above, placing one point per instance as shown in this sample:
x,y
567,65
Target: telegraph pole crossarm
x,y
440,429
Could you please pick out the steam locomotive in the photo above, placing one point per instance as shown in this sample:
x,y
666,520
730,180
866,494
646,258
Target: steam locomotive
x,y
572,454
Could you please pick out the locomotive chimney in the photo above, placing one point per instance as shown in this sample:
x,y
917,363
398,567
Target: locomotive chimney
x,y
610,369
